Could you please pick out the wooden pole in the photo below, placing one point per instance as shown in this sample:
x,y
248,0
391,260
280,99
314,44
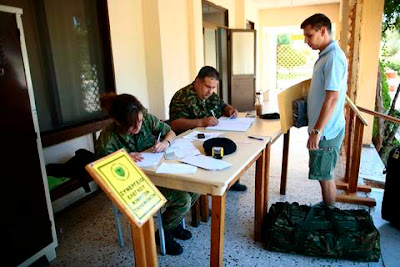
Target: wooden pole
x,y
217,230
356,157
259,197
285,161
204,208
144,246
349,145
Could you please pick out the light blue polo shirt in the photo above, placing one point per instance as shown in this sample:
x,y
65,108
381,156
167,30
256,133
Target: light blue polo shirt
x,y
330,74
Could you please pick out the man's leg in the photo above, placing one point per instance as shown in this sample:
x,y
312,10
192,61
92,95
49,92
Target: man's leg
x,y
179,203
328,188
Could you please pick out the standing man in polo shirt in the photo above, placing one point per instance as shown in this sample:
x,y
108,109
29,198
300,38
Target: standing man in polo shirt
x,y
325,104
196,105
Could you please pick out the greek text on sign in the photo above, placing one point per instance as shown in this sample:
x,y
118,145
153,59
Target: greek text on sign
x,y
127,186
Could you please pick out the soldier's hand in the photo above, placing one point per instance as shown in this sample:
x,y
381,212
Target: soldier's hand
x,y
160,146
232,113
136,156
209,121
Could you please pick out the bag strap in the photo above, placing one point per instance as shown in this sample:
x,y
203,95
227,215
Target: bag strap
x,y
307,226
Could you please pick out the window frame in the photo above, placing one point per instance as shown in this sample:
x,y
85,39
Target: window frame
x,y
56,136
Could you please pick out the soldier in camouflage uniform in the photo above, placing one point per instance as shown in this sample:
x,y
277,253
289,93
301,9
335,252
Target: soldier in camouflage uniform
x,y
136,130
196,105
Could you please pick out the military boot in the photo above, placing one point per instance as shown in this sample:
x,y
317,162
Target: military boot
x,y
171,246
181,233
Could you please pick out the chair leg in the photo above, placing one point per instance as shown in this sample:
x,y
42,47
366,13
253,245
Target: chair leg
x,y
183,223
161,233
118,226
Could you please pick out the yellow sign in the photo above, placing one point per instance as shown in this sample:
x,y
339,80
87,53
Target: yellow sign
x,y
127,186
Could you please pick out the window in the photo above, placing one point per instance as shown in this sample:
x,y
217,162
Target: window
x,y
69,52
214,14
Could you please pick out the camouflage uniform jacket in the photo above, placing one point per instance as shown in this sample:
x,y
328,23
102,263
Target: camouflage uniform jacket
x,y
186,104
110,140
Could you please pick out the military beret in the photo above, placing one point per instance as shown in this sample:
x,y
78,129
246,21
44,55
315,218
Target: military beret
x,y
228,145
270,116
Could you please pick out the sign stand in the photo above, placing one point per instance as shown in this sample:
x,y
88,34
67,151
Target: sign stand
x,y
144,246
135,196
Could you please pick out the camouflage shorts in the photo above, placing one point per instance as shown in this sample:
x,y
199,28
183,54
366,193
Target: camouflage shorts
x,y
323,161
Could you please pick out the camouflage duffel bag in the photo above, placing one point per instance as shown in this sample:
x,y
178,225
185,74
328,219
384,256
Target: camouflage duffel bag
x,y
322,231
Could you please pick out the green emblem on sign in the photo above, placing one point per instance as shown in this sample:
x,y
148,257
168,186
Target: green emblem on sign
x,y
119,171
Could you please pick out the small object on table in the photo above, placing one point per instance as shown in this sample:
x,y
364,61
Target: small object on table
x,y
217,152
270,116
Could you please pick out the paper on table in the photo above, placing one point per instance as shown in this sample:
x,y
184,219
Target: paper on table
x,y
207,135
236,124
176,168
149,159
207,163
181,148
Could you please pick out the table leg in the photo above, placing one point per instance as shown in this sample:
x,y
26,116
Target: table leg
x,y
259,200
285,157
144,246
217,230
267,161
204,208
196,214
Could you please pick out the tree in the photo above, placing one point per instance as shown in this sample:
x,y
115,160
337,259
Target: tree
x,y
384,136
391,16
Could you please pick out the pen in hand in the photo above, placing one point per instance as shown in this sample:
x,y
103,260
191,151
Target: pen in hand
x,y
159,136
157,142
212,112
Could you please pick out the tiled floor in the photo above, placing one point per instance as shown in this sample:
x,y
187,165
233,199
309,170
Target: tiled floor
x,y
87,236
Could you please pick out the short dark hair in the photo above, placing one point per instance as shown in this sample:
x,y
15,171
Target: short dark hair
x,y
122,108
208,71
317,21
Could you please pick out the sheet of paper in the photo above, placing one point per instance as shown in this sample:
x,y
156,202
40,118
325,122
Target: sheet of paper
x,y
149,159
207,163
181,148
207,135
236,124
176,168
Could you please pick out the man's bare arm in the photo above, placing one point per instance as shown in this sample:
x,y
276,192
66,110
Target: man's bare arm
x,y
328,106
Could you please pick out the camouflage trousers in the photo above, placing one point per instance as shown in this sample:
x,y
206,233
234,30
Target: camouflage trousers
x,y
179,203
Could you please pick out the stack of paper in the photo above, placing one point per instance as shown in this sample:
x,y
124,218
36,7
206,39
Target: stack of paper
x,y
236,124
176,168
207,163
181,148
149,159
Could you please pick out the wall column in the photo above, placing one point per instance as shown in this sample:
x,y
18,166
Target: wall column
x,y
371,24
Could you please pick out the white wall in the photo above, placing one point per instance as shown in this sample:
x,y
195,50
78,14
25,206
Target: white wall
x,y
153,58
175,50
127,42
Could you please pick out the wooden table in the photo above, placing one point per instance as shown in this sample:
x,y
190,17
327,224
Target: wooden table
x,y
216,183
272,130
